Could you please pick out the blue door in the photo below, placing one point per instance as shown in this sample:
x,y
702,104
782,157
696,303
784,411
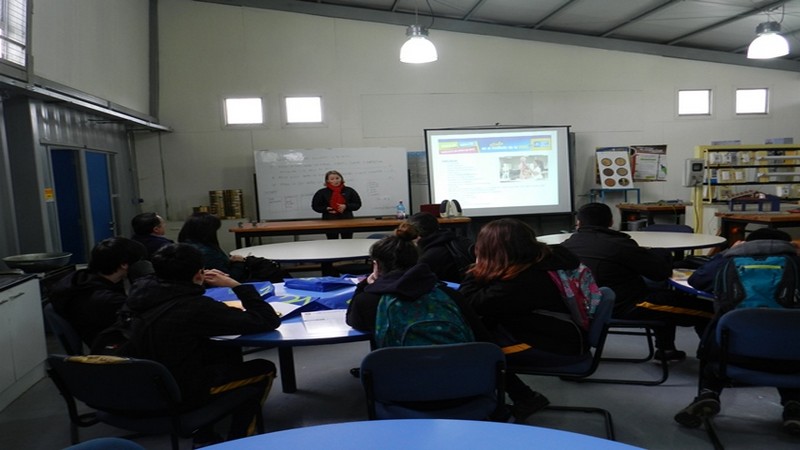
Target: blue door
x,y
83,193
66,181
99,183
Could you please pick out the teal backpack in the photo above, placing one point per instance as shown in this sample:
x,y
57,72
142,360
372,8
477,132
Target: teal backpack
x,y
757,282
431,319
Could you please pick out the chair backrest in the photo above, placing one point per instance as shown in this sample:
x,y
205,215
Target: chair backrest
x,y
764,333
106,443
110,383
69,338
454,381
673,227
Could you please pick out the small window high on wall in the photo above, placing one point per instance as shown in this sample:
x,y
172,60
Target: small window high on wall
x,y
695,102
752,101
303,110
13,31
244,111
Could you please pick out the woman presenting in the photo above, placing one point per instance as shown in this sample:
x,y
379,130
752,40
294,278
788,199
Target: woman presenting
x,y
336,201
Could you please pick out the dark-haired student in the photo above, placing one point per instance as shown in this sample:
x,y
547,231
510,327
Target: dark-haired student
x,y
149,229
179,338
396,270
760,243
618,262
89,298
200,231
433,242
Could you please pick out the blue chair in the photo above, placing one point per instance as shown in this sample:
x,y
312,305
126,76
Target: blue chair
x,y
768,335
137,395
450,381
69,339
578,368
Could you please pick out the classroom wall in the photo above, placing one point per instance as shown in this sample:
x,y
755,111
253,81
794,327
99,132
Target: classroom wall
x,y
609,98
99,47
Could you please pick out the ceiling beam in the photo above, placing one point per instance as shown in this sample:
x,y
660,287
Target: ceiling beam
x,y
485,29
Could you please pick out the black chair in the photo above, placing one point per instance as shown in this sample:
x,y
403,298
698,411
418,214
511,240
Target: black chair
x,y
450,381
69,338
767,335
136,395
578,368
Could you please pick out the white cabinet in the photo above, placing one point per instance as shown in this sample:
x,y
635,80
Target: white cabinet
x,y
22,340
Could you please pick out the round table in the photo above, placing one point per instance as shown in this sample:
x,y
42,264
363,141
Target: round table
x,y
422,434
654,239
329,250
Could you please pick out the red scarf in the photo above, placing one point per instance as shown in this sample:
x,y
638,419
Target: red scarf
x,y
336,197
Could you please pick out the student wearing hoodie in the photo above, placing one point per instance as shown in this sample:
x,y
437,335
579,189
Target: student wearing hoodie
x,y
179,338
89,298
397,271
433,243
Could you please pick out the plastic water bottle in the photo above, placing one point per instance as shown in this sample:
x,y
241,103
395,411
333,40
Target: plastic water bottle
x,y
401,210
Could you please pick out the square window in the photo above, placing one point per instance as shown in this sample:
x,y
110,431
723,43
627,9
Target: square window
x,y
694,102
303,110
751,101
244,111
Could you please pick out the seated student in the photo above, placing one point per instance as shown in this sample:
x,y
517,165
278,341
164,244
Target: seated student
x,y
396,270
505,287
619,263
761,242
179,337
433,243
149,229
703,278
200,231
90,298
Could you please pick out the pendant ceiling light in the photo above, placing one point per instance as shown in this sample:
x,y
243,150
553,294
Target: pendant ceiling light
x,y
769,43
418,49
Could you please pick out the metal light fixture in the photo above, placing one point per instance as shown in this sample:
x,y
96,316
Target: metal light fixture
x,y
418,49
769,43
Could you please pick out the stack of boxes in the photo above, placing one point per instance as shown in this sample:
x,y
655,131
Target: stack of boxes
x,y
226,204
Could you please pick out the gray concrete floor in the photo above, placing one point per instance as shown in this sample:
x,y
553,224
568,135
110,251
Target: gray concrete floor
x,y
327,393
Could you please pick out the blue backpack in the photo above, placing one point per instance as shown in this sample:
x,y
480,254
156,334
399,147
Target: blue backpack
x,y
431,319
757,282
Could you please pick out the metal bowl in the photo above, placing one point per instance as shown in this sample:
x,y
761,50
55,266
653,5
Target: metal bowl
x,y
38,262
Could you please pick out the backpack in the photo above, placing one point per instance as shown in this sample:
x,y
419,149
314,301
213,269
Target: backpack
x,y
579,292
461,252
757,282
263,269
432,319
124,337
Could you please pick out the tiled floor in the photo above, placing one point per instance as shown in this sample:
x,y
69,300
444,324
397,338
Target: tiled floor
x,y
327,393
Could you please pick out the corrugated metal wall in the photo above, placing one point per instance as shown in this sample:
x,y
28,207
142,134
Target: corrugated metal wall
x,y
32,128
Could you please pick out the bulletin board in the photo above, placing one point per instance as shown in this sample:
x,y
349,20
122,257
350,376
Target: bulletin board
x,y
286,180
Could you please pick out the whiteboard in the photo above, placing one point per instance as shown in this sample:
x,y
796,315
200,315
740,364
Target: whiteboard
x,y
287,179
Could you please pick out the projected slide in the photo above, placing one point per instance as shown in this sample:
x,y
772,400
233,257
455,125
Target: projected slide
x,y
501,171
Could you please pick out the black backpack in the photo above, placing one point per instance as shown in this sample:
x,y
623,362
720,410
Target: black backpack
x,y
125,336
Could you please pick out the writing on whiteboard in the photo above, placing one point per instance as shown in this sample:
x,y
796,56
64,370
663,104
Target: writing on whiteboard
x,y
288,179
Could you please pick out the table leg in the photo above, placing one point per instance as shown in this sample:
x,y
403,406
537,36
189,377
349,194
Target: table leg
x,y
286,361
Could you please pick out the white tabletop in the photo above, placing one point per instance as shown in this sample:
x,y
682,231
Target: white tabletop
x,y
422,434
654,239
311,251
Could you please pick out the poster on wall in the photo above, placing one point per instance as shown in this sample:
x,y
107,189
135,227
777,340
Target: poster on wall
x,y
614,167
649,162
